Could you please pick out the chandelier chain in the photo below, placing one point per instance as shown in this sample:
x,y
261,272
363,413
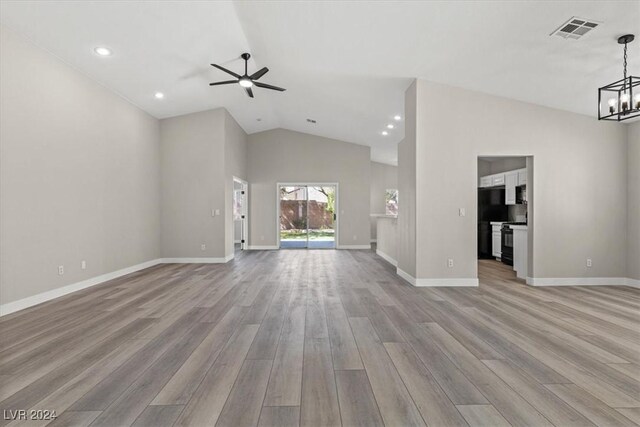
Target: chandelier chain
x,y
624,82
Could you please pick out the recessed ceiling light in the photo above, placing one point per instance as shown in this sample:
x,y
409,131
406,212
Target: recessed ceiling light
x,y
397,118
102,51
159,95
385,133
389,126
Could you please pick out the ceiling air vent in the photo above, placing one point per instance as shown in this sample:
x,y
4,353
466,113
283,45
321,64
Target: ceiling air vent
x,y
575,28
311,120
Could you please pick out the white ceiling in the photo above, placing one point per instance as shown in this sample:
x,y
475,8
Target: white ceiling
x,y
344,64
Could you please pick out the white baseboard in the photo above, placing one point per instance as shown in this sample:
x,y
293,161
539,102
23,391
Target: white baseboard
x,y
583,281
438,282
206,260
21,304
406,276
387,258
355,246
447,282
262,248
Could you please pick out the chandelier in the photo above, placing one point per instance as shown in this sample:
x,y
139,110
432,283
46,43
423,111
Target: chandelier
x,y
622,98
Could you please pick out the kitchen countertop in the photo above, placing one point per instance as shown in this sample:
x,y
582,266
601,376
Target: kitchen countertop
x,y
518,227
497,222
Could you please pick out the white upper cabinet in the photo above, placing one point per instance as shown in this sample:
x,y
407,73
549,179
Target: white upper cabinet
x,y
522,177
497,179
508,179
485,181
511,182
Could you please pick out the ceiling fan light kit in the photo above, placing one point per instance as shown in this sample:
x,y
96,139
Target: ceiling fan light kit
x,y
623,96
246,81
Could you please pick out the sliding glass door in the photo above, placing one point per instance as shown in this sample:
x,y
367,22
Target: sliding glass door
x,y
307,216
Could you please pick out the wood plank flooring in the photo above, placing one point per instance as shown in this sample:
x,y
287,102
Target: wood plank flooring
x,y
323,338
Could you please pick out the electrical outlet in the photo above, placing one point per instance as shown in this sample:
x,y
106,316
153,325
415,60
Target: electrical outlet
x,y
61,270
589,262
213,212
83,265
203,247
261,237
355,237
217,212
450,262
462,212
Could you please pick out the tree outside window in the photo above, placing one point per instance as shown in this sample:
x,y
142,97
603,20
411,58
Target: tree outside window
x,y
391,201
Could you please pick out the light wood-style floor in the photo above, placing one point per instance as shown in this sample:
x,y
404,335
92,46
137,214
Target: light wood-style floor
x,y
321,338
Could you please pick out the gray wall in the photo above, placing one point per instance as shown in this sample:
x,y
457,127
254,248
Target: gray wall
x,y
281,155
578,209
383,177
79,175
193,184
201,153
388,237
235,154
406,246
633,202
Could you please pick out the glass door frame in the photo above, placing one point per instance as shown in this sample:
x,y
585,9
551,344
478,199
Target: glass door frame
x,y
336,221
244,234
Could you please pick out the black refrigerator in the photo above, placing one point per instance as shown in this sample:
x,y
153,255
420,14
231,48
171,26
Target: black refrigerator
x,y
491,207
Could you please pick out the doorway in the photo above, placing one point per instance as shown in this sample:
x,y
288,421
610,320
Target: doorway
x,y
505,220
307,216
240,214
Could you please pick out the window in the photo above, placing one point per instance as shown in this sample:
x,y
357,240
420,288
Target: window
x,y
391,202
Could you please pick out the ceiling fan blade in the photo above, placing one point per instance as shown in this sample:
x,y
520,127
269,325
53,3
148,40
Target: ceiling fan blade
x,y
237,76
266,86
259,73
249,92
226,82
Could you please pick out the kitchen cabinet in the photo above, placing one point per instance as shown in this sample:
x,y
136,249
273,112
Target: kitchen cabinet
x,y
496,239
511,182
522,177
518,177
497,179
496,244
520,250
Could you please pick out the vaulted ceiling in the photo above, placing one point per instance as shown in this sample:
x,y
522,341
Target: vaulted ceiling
x,y
344,64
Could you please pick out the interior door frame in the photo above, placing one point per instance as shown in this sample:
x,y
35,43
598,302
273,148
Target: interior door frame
x,y
336,221
244,238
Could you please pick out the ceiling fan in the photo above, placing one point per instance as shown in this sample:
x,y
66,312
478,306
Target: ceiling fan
x,y
245,80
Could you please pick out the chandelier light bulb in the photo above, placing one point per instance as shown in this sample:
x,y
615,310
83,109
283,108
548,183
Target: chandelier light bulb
x,y
624,100
636,101
612,105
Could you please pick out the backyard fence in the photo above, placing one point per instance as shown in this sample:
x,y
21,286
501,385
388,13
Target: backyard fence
x,y
294,215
